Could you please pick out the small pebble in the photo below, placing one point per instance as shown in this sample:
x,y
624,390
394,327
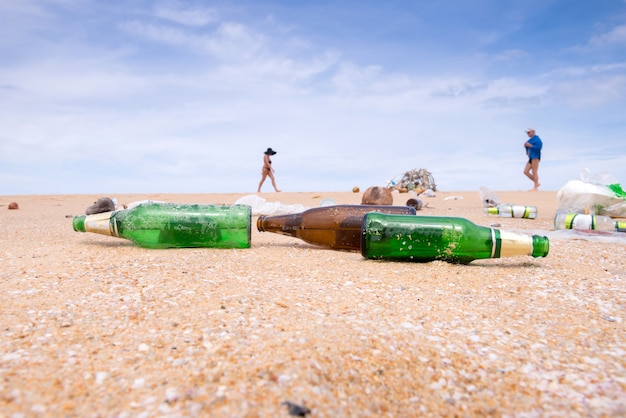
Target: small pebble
x,y
296,410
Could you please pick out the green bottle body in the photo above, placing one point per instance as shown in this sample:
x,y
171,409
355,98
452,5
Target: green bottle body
x,y
173,225
429,238
337,226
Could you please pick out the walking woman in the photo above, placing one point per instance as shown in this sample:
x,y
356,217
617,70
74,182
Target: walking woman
x,y
267,169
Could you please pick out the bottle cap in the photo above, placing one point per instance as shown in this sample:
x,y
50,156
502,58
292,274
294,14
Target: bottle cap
x,y
79,223
541,246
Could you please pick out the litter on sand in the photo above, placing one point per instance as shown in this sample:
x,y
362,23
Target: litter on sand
x,y
417,179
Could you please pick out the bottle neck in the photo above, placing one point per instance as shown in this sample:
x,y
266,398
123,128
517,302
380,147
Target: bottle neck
x,y
511,244
100,223
285,224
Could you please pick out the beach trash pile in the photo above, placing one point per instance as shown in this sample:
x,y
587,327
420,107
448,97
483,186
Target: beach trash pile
x,y
417,179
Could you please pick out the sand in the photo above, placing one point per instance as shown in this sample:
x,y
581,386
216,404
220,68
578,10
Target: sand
x,y
94,326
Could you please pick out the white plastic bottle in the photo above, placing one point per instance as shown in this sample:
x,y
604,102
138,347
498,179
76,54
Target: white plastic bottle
x,y
584,222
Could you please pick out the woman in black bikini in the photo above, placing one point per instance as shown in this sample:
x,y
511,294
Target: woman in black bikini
x,y
267,169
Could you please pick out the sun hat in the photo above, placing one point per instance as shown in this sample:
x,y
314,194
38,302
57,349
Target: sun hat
x,y
530,130
270,152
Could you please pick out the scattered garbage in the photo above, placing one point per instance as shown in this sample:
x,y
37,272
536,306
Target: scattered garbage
x,y
261,206
415,203
601,194
454,198
492,206
356,189
13,206
507,210
584,222
488,197
416,179
428,193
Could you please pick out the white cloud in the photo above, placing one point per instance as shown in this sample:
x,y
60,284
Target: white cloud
x,y
228,41
511,55
588,85
616,36
181,13
589,92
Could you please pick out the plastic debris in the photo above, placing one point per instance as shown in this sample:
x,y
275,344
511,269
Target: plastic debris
x,y
428,193
418,179
488,197
261,206
598,195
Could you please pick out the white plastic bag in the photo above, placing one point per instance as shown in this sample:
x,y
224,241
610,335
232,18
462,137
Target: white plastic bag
x,y
593,195
262,207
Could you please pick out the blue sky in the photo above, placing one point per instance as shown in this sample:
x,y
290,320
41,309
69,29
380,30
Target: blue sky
x,y
138,96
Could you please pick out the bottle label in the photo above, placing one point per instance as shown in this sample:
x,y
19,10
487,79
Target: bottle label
x,y
496,243
523,211
516,211
578,221
99,223
513,244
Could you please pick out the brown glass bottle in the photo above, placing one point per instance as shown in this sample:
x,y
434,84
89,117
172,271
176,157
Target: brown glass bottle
x,y
337,227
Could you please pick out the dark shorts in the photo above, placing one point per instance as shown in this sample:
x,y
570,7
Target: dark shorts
x,y
531,159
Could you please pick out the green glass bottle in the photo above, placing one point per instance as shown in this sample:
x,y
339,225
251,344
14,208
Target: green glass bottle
x,y
336,226
429,238
173,225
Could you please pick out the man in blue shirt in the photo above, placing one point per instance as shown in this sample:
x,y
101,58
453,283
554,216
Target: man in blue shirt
x,y
533,150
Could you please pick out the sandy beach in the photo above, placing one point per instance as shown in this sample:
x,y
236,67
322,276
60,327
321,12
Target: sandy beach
x,y
94,326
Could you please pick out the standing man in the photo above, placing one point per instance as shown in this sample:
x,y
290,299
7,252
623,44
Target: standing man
x,y
533,150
